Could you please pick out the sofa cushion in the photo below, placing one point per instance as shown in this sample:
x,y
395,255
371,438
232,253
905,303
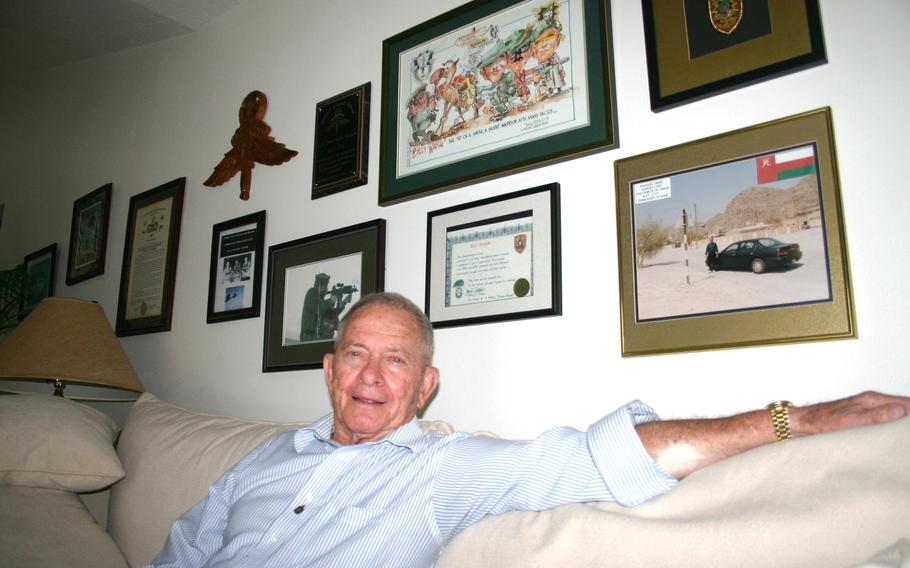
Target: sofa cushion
x,y
829,500
171,456
51,529
56,443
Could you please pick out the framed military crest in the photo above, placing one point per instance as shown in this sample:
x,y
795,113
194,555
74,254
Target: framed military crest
x,y
701,48
495,259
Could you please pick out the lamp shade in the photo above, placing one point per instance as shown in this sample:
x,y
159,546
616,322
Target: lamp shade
x,y
70,340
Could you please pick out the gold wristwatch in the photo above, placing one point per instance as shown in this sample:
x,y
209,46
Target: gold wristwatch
x,y
780,418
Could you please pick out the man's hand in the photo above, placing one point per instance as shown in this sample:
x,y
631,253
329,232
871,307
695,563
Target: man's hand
x,y
859,410
683,446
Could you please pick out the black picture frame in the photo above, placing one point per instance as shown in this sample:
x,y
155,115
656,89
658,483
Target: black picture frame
x,y
341,142
773,38
341,260
517,276
565,109
149,273
40,274
235,269
88,235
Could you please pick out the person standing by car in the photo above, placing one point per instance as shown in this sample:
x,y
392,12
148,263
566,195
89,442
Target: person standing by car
x,y
711,256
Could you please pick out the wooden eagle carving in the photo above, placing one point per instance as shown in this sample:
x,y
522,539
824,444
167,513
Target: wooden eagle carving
x,y
250,144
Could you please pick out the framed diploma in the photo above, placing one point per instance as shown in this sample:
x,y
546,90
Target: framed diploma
x,y
235,271
341,143
150,260
734,240
496,259
494,87
701,48
88,235
40,273
312,284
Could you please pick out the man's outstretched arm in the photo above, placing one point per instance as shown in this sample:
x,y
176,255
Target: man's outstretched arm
x,y
683,446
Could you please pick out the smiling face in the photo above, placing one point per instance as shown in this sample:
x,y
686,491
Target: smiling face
x,y
378,376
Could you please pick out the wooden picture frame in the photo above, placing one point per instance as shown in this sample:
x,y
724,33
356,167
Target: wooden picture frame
x,y
149,272
494,87
40,275
341,142
88,235
690,59
312,282
672,301
496,259
235,269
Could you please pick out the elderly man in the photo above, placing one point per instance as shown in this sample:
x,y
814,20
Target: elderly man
x,y
364,486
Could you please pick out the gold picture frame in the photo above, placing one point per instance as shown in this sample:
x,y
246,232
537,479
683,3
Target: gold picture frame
x,y
671,301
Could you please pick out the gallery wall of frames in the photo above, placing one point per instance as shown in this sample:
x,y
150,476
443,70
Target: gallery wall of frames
x,y
627,199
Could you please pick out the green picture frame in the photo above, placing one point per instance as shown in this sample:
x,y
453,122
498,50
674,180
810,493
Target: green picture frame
x,y
673,298
491,88
40,276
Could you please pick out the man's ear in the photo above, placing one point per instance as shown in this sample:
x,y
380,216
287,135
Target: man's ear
x,y
327,368
430,383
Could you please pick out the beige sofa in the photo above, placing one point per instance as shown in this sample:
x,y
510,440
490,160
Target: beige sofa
x,y
836,500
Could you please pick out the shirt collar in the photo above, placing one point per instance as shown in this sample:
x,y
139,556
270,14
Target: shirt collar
x,y
408,435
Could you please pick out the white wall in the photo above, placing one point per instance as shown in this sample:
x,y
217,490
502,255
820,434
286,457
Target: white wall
x,y
146,116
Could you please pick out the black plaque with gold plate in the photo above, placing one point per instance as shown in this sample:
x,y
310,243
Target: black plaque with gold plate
x,y
341,142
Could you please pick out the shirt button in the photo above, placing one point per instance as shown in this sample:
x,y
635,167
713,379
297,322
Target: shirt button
x,y
273,538
298,509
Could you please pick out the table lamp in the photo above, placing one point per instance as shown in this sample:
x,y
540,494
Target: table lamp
x,y
67,340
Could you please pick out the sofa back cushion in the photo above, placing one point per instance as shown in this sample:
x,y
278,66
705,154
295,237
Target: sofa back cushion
x,y
171,456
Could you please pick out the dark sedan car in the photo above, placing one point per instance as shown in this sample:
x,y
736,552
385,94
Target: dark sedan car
x,y
759,255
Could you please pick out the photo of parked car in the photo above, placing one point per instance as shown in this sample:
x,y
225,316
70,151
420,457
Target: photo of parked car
x,y
758,255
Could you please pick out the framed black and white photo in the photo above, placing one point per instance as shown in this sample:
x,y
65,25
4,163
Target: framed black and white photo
x,y
88,235
149,271
495,259
312,283
235,271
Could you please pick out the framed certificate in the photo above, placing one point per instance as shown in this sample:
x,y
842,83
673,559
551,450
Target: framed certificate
x,y
493,87
235,271
150,260
88,235
496,259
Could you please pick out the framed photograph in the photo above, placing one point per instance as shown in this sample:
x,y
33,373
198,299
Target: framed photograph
x,y
494,87
40,273
150,260
235,272
495,259
700,48
88,235
342,140
312,283
734,240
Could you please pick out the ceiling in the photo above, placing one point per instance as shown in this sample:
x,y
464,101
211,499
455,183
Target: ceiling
x,y
40,34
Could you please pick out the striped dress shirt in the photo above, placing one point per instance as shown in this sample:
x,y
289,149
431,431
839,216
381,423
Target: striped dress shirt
x,y
301,499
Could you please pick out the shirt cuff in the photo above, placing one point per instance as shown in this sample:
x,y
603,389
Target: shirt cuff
x,y
629,472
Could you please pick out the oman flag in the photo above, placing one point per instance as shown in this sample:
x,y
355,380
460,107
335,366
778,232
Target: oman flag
x,y
786,165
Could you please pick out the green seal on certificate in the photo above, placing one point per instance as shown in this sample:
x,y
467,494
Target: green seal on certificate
x,y
521,287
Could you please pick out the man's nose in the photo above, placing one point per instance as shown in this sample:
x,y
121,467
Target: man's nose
x,y
371,374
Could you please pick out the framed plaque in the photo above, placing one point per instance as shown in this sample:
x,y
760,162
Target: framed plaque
x,y
341,143
150,260
88,235
235,270
312,284
496,259
763,259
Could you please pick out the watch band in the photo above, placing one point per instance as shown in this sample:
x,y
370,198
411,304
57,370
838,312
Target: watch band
x,y
780,418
